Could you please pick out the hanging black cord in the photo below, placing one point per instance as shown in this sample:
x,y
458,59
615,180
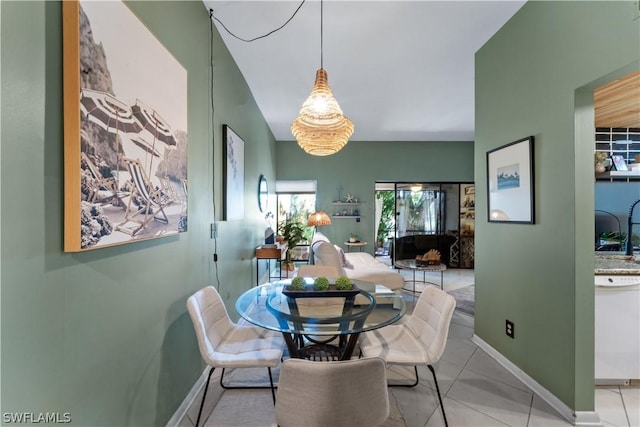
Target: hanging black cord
x,y
259,37
211,18
321,34
212,148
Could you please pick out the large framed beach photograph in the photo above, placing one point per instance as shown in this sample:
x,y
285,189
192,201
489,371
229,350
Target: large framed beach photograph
x,y
125,129
510,182
233,174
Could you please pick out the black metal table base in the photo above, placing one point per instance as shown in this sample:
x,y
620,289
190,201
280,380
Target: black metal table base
x,y
320,352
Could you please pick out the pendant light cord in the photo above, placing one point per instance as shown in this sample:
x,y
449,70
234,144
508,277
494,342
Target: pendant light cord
x,y
321,34
213,151
259,37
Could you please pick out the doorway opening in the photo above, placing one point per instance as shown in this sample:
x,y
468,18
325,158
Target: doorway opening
x,y
412,218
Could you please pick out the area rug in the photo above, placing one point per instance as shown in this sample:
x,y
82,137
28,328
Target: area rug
x,y
465,299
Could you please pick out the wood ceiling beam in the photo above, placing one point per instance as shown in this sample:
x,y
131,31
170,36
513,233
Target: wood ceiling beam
x,y
617,104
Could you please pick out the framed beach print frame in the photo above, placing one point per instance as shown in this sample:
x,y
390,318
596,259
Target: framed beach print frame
x,y
233,174
510,183
125,129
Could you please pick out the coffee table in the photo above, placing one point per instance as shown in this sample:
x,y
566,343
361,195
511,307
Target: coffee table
x,y
410,264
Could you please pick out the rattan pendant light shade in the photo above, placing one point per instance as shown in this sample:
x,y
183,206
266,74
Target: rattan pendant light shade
x,y
320,128
318,219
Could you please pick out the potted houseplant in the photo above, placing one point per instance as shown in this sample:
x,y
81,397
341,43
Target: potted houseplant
x,y
292,233
598,161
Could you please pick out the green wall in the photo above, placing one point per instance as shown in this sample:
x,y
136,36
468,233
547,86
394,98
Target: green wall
x,y
104,334
535,77
360,164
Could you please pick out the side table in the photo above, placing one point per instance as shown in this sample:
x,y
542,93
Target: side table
x,y
410,264
357,244
269,252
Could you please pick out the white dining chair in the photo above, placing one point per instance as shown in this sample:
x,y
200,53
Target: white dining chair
x,y
224,344
420,340
328,394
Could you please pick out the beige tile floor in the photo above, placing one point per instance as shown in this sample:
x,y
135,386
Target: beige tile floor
x,y
476,390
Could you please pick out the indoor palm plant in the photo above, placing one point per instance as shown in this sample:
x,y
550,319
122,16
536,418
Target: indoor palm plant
x,y
292,233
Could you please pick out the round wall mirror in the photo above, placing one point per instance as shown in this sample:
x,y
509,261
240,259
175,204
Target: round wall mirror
x,y
263,194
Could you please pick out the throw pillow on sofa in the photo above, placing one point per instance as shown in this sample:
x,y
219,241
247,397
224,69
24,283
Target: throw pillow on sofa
x,y
343,259
325,253
316,240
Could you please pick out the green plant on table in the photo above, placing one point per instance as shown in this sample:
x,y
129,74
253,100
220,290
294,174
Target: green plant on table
x,y
297,284
343,283
321,284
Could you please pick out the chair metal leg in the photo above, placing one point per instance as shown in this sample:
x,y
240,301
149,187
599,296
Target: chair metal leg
x,y
273,392
415,368
437,389
439,396
206,387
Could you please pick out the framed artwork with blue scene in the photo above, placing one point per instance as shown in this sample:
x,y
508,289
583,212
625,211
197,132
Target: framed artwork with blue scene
x,y
510,183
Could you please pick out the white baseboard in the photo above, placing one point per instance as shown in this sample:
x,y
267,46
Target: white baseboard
x,y
577,418
181,412
587,418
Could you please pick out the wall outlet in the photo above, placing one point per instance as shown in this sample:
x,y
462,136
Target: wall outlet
x,y
509,329
214,230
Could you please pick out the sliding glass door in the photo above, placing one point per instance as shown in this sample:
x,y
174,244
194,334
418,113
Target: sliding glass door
x,y
420,209
414,217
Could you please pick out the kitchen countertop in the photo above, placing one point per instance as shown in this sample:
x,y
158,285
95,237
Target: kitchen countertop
x,y
616,264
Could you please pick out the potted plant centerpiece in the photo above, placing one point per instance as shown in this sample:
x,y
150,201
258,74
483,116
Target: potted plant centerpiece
x,y
292,233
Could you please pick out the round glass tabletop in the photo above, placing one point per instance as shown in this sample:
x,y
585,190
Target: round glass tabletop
x,y
374,306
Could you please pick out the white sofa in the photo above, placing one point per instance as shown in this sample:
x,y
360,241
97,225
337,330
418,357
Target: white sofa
x,y
355,265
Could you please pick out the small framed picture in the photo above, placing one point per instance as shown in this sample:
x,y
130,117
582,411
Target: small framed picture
x,y
510,183
619,163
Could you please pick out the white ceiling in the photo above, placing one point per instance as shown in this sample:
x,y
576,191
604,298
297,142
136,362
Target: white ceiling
x,y
400,70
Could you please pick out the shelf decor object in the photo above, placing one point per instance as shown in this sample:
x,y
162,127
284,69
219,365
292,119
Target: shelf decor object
x,y
619,163
321,128
510,183
341,210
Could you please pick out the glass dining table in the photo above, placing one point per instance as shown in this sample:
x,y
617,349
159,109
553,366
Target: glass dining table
x,y
319,327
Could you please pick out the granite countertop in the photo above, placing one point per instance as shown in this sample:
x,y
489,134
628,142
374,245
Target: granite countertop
x,y
616,264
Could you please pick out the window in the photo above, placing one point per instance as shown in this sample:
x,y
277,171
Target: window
x,y
296,200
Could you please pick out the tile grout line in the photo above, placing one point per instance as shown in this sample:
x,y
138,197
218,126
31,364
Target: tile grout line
x,y
624,406
533,395
526,389
478,411
492,379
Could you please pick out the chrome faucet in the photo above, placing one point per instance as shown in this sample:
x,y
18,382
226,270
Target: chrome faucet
x,y
630,223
